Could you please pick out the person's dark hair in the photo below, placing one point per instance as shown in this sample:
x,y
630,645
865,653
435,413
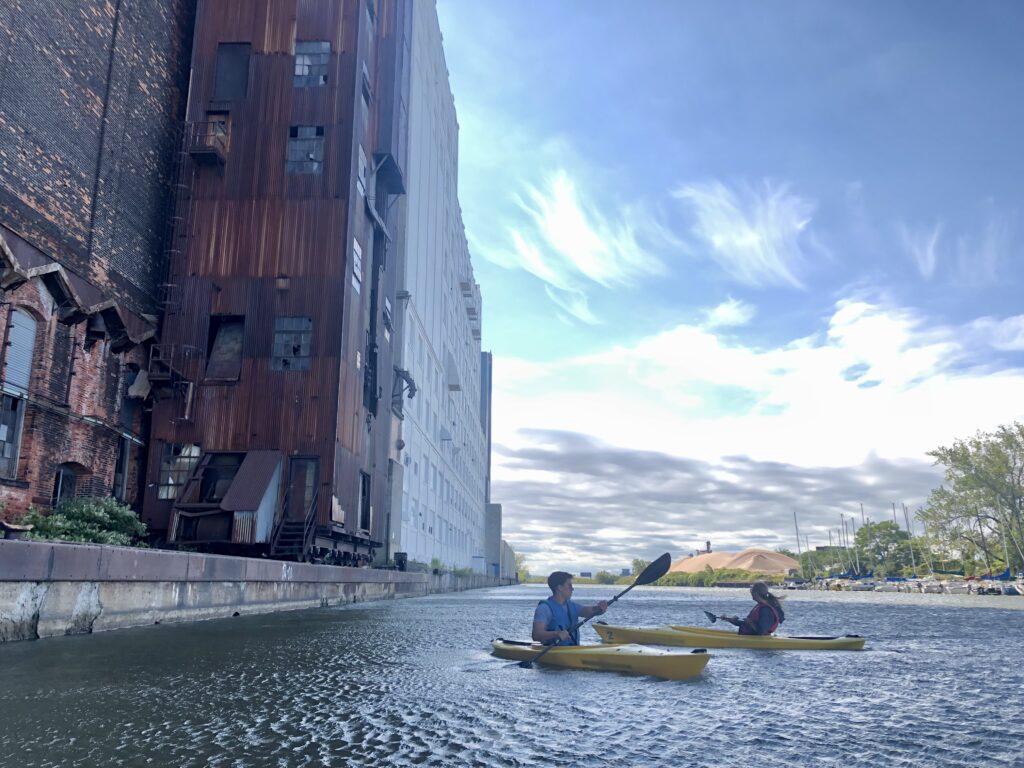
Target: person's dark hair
x,y
557,579
760,590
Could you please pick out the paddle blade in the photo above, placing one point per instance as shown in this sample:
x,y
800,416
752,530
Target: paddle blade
x,y
711,617
654,571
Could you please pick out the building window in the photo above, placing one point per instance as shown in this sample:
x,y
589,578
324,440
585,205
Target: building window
x,y
389,323
231,81
176,465
63,484
311,62
120,489
224,347
365,98
293,343
11,418
357,267
305,149
361,178
365,509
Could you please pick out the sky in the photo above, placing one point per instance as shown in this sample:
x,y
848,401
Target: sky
x,y
740,262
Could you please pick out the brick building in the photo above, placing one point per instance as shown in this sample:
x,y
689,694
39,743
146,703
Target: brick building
x,y
91,98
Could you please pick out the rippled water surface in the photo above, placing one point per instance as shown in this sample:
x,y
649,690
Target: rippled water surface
x,y
411,682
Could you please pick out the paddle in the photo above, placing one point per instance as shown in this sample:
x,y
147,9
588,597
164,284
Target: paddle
x,y
651,573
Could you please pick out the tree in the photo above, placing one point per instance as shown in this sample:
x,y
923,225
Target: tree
x,y
605,577
980,506
521,569
883,547
639,565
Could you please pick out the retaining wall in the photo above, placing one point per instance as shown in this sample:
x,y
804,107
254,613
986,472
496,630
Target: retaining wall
x,y
49,588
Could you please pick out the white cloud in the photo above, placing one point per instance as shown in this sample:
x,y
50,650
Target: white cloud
x,y
754,233
1006,335
732,312
921,243
873,391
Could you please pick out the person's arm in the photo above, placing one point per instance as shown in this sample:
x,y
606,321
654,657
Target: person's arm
x,y
597,609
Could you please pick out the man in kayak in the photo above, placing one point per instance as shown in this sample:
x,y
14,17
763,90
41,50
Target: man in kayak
x,y
555,618
766,616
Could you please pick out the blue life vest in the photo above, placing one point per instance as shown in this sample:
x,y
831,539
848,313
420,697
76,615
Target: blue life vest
x,y
563,617
754,618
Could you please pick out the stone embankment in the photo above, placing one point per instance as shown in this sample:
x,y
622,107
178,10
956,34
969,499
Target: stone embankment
x,y
49,588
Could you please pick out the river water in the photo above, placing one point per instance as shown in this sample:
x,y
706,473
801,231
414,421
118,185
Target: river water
x,y
411,682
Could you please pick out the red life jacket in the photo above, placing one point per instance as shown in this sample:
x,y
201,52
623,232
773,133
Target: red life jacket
x,y
754,618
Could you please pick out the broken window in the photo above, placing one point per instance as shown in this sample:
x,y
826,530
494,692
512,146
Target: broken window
x,y
176,465
293,343
63,484
311,62
389,323
224,347
231,81
305,149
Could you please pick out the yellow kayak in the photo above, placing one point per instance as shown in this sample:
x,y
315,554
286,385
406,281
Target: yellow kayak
x,y
633,659
718,638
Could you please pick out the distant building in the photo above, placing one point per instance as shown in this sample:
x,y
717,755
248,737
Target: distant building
x,y
626,572
443,511
586,575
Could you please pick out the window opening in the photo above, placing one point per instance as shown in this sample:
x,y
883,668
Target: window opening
x,y
63,485
305,149
293,343
311,57
357,266
224,347
176,465
120,489
364,501
231,81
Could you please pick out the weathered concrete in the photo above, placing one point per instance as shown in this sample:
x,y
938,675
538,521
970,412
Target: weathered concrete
x,y
49,588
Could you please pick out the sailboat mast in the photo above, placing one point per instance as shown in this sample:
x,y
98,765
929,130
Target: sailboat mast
x,y
798,557
910,539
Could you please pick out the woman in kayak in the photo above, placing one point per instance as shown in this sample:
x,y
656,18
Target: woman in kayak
x,y
555,618
766,616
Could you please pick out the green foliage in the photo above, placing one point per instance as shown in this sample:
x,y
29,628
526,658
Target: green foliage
x,y
522,572
93,521
462,572
639,565
605,577
883,547
978,513
710,577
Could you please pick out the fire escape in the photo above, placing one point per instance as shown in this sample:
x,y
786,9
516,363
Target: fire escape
x,y
201,144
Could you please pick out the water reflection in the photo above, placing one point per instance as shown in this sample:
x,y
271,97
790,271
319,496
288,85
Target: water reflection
x,y
410,683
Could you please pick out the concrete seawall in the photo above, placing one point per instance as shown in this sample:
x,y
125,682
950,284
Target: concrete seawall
x,y
49,588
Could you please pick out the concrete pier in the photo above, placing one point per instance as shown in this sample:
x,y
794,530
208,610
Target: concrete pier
x,y
51,588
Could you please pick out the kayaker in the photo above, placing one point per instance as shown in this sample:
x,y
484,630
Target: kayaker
x,y
554,619
766,616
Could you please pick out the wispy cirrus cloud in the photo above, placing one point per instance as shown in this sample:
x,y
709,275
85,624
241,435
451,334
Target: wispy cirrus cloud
x,y
756,234
922,245
570,242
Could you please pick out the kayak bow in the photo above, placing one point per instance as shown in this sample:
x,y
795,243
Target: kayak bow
x,y
718,638
632,659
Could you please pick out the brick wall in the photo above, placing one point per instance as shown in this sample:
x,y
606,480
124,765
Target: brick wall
x,y
91,94
84,429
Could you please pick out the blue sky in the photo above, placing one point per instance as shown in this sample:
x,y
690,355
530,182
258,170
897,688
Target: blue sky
x,y
769,252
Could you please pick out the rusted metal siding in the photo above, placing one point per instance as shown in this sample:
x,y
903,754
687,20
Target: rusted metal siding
x,y
263,243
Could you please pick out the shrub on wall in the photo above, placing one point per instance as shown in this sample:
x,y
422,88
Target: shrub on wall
x,y
92,521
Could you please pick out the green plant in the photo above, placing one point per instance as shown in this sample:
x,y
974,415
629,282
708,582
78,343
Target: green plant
x,y
91,520
463,571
